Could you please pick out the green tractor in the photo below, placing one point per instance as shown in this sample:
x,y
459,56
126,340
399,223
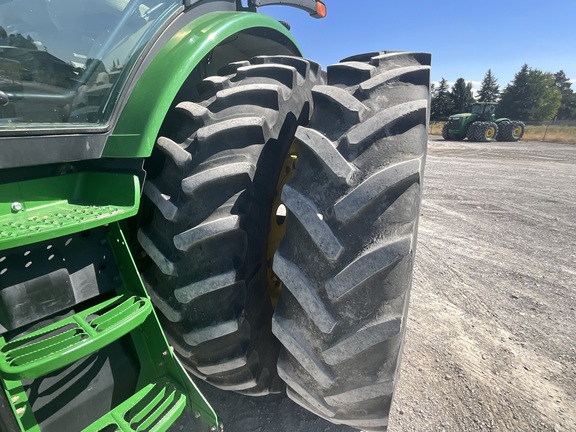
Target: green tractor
x,y
481,124
183,195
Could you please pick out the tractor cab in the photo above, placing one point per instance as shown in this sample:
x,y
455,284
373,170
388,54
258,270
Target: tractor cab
x,y
484,110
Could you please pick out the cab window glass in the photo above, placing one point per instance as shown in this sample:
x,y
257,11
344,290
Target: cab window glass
x,y
63,61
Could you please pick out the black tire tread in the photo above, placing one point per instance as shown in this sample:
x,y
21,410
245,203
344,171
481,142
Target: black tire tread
x,y
446,132
347,188
503,128
383,120
376,186
349,73
471,132
363,270
508,127
305,292
303,352
206,281
320,233
325,151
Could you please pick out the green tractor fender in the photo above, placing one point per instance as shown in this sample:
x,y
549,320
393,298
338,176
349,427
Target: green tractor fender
x,y
500,120
151,95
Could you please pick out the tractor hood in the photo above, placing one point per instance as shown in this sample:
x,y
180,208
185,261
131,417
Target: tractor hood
x,y
460,116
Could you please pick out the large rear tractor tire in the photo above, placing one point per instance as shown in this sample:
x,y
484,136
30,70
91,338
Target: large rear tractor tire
x,y
502,130
472,131
446,132
347,258
211,202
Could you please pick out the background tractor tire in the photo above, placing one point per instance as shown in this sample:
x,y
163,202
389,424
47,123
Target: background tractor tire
x,y
458,137
515,131
472,132
489,132
502,131
346,260
446,132
211,202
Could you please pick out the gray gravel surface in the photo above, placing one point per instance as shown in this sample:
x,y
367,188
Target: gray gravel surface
x,y
491,342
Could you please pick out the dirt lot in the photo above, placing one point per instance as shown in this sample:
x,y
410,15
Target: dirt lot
x,y
491,341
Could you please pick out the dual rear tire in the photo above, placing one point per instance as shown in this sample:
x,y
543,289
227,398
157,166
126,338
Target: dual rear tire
x,y
511,131
358,136
482,131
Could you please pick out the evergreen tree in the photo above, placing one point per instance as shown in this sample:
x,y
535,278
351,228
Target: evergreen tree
x,y
462,96
442,104
531,96
513,99
567,110
489,90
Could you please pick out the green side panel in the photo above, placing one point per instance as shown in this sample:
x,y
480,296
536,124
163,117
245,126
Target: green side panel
x,y
146,108
37,210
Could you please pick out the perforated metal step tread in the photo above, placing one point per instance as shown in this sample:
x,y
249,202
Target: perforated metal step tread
x,y
153,409
37,210
61,215
70,339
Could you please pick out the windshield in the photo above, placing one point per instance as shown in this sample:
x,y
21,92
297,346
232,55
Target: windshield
x,y
483,109
477,109
63,62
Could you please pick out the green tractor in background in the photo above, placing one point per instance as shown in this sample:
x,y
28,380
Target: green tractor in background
x,y
481,124
182,194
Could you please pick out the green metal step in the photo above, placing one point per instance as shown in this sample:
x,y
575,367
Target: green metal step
x,y
62,343
37,210
153,409
164,398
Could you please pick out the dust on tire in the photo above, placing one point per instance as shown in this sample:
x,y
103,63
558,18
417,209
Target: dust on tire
x,y
346,260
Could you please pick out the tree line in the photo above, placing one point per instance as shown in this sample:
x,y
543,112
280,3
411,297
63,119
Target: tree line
x,y
532,95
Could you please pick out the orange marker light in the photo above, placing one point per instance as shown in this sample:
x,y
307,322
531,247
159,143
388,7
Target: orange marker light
x,y
320,9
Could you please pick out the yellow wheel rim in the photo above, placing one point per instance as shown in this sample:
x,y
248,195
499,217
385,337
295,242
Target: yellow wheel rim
x,y
490,132
517,132
278,218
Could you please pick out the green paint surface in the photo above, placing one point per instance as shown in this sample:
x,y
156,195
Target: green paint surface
x,y
142,116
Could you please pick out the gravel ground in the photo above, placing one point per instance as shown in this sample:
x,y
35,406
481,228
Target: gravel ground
x,y
491,333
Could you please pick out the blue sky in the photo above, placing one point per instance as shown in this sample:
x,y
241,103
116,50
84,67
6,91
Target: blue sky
x,y
466,38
